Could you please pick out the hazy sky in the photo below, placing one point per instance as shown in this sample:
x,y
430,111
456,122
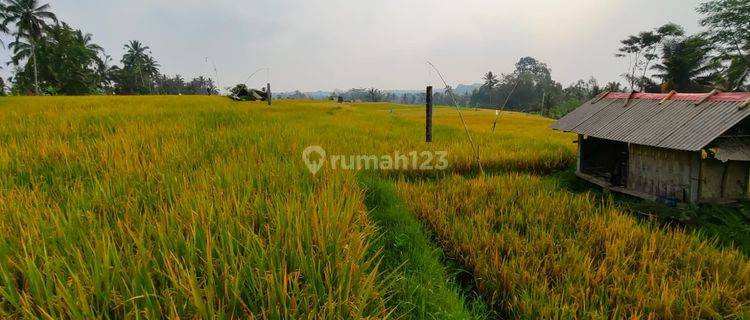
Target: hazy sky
x,y
330,44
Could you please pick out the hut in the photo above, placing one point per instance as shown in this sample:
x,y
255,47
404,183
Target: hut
x,y
676,147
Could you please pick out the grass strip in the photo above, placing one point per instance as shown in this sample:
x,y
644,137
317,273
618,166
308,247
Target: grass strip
x,y
423,287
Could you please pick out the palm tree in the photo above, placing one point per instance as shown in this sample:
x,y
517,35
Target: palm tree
x,y
151,69
732,76
105,72
21,51
490,80
133,58
87,41
31,22
100,59
94,50
3,28
137,58
134,50
686,65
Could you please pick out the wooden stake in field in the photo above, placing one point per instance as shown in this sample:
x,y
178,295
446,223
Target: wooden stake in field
x,y
268,93
429,113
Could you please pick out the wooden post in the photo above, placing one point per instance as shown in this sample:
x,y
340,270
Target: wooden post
x,y
579,168
428,99
724,177
695,177
268,93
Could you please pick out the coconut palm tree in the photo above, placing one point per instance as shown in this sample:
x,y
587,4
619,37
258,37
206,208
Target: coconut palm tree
x,y
686,65
733,75
21,51
94,50
3,28
135,58
490,80
105,72
31,21
151,67
139,66
134,50
87,40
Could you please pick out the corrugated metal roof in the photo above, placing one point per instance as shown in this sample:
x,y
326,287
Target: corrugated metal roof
x,y
678,123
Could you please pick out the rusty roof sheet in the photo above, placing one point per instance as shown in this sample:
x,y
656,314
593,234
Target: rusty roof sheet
x,y
683,122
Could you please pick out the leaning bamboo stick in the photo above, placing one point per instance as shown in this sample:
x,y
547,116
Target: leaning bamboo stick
x,y
708,96
745,104
630,97
669,96
600,97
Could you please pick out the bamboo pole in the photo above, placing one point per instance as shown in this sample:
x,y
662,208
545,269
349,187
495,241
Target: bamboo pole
x,y
428,125
708,96
268,93
669,96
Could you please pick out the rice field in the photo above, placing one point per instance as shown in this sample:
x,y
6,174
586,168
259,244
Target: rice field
x,y
200,207
540,253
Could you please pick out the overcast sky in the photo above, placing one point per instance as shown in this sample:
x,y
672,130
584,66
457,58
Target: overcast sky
x,y
317,44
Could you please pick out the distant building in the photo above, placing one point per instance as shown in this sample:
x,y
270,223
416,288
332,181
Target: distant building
x,y
682,148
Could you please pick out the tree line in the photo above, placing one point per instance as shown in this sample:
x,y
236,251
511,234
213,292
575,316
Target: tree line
x,y
659,61
529,88
440,97
49,57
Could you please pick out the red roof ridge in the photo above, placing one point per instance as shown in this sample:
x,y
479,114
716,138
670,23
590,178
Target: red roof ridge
x,y
722,96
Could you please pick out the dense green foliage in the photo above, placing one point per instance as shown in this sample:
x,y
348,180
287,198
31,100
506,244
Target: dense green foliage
x,y
642,50
31,21
139,69
686,65
524,89
52,58
66,63
718,57
728,29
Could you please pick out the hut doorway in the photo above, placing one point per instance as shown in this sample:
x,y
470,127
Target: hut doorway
x,y
605,160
